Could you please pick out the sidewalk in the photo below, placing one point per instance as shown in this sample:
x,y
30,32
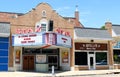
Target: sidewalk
x,y
57,74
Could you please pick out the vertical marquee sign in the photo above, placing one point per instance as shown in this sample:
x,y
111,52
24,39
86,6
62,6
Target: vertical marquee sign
x,y
50,38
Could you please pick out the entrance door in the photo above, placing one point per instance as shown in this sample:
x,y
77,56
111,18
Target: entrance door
x,y
53,61
28,63
91,61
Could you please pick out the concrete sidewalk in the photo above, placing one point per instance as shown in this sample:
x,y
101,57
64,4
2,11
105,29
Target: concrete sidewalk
x,y
57,74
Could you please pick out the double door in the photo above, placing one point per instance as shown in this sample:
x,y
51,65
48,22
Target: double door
x,y
28,62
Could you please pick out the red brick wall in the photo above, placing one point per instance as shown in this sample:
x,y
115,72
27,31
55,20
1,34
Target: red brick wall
x,y
6,17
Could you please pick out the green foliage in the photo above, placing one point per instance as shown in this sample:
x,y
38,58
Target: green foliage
x,y
116,59
103,27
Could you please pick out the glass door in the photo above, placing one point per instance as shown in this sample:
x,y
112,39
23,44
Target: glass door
x,y
91,61
53,61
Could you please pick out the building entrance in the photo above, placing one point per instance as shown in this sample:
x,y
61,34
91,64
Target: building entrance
x,y
53,61
28,62
31,62
91,60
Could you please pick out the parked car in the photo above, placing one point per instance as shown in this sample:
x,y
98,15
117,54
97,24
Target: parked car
x,y
102,62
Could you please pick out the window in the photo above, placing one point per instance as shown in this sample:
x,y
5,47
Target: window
x,y
43,27
43,13
116,56
81,58
50,25
101,58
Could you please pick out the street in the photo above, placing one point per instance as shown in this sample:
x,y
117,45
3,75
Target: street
x,y
107,75
23,74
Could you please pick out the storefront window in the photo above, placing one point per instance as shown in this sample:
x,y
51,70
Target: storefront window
x,y
101,58
116,56
81,58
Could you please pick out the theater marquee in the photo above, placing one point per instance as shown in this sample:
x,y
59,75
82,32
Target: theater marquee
x,y
45,38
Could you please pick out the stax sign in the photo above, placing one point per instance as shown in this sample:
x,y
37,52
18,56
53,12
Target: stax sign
x,y
38,28
28,30
60,31
23,31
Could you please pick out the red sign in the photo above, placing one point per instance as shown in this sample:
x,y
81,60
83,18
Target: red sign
x,y
38,28
60,31
23,31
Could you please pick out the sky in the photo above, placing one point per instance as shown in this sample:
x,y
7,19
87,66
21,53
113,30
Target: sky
x,y
93,13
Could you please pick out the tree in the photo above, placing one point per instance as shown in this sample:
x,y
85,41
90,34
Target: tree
x,y
103,27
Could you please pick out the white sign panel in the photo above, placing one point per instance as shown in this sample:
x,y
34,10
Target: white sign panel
x,y
41,58
27,39
63,40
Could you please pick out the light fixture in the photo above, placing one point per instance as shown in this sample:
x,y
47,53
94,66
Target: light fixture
x,y
92,40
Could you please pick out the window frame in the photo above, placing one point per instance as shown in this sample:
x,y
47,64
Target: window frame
x,y
44,13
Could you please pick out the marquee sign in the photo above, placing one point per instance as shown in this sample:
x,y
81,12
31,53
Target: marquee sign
x,y
27,39
63,41
31,39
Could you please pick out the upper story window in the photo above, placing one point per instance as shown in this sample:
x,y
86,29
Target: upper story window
x,y
43,13
41,26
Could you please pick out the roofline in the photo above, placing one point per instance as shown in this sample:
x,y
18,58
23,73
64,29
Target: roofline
x,y
69,17
5,22
12,13
93,38
81,24
115,25
90,28
44,3
4,34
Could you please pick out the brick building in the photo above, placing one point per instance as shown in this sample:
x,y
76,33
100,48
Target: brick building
x,y
55,44
41,38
